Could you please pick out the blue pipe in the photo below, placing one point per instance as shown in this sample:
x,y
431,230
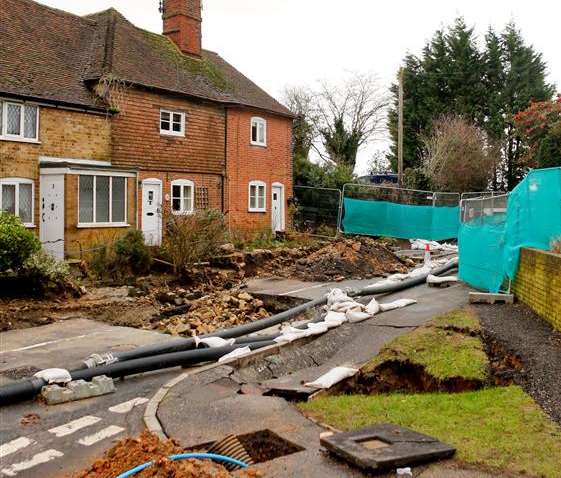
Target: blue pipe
x,y
185,456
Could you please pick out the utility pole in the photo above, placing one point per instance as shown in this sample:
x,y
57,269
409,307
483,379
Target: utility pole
x,y
400,132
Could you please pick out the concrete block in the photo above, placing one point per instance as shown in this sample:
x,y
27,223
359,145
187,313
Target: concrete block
x,y
78,390
484,298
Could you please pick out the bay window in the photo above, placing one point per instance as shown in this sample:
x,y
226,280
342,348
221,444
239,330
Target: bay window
x,y
102,200
16,197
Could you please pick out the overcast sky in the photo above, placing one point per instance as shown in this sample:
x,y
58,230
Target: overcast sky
x,y
298,42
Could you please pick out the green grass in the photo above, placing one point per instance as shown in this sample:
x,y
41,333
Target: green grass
x,y
495,427
444,353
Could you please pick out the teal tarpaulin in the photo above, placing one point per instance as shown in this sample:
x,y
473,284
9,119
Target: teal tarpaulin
x,y
490,249
383,218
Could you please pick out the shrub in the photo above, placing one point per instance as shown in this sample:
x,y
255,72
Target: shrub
x,y
45,274
17,243
128,255
556,245
193,238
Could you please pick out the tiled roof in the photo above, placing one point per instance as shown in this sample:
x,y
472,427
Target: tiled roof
x,y
53,55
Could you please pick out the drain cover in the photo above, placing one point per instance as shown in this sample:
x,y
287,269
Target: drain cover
x,y
385,446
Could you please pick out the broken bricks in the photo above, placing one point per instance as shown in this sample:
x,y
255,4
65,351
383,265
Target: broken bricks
x,y
384,447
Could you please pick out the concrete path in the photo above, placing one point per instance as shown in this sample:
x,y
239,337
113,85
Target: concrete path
x,y
206,407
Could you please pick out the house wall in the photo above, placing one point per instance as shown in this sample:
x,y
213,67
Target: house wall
x,y
538,284
78,242
246,163
137,142
62,133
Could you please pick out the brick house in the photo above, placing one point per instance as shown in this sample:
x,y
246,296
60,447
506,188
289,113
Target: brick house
x,y
105,126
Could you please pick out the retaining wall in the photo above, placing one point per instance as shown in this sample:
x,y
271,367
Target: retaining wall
x,y
538,284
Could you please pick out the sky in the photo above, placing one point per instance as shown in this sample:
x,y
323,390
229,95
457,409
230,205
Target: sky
x,y
301,42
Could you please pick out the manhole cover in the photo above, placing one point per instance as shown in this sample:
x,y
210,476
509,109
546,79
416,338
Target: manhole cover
x,y
20,372
385,446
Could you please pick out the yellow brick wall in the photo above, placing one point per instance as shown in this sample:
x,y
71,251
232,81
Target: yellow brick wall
x,y
538,284
63,134
80,240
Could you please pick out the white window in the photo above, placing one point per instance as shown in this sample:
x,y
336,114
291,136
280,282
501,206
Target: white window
x,y
102,200
19,121
258,131
182,196
16,197
257,191
172,123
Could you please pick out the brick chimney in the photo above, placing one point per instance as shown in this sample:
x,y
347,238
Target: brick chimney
x,y
182,24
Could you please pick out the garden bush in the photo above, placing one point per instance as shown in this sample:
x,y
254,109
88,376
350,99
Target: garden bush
x,y
193,238
17,243
46,275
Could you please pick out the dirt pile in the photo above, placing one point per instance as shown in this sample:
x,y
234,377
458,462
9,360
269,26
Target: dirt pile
x,y
132,452
350,258
214,311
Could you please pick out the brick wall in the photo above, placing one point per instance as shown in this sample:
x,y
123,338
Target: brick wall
x,y
246,163
62,133
538,284
137,141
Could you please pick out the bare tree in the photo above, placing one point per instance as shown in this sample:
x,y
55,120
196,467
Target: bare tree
x,y
348,116
459,156
301,101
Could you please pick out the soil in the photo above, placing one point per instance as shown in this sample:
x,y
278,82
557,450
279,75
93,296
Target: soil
x,y
537,346
132,452
356,258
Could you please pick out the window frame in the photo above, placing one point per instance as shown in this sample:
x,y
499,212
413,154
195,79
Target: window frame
x,y
257,120
257,184
4,121
17,182
170,132
182,183
123,223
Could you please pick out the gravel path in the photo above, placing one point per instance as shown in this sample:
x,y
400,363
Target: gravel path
x,y
521,331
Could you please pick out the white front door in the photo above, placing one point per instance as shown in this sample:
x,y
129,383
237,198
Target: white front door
x,y
51,229
277,208
152,212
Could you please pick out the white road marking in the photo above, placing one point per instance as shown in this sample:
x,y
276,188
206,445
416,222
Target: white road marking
x,y
15,445
126,407
305,288
73,426
50,342
38,459
101,435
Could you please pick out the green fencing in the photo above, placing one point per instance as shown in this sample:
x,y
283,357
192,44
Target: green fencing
x,y
494,230
402,213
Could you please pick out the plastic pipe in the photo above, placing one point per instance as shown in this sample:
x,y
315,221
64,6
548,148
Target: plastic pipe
x,y
186,456
29,388
246,329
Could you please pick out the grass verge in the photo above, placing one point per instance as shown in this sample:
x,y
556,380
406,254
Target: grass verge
x,y
447,347
500,428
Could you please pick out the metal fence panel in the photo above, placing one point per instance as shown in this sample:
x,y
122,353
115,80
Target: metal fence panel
x,y
316,210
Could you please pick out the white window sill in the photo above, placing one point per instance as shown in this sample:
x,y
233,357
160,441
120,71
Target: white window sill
x,y
182,213
17,139
172,135
257,210
29,226
101,224
261,145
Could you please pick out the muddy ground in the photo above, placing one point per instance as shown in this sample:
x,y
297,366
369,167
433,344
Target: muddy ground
x,y
524,334
209,297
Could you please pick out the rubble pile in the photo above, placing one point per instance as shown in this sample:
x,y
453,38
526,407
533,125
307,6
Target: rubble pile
x,y
349,258
131,452
204,315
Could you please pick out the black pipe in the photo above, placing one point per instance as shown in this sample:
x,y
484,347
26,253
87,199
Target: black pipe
x,y
29,388
252,327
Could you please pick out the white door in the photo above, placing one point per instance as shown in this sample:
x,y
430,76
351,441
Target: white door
x,y
277,208
51,229
152,212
